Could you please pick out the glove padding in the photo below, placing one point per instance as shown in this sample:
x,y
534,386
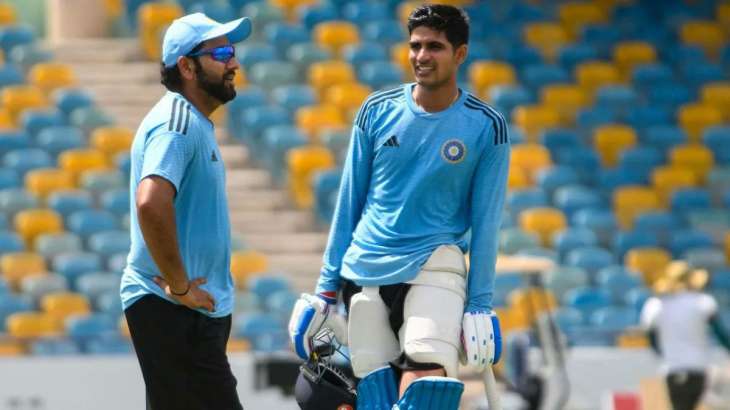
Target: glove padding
x,y
481,339
309,316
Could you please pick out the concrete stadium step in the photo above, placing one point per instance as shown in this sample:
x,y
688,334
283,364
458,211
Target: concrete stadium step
x,y
299,242
111,50
258,200
302,269
234,155
128,94
239,179
252,222
92,73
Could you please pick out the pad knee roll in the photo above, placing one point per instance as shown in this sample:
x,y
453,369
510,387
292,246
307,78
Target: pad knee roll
x,y
431,393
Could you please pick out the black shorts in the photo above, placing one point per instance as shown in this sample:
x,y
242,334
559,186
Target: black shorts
x,y
394,297
182,354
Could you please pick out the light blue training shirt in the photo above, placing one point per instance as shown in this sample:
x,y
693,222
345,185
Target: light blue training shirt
x,y
176,142
413,181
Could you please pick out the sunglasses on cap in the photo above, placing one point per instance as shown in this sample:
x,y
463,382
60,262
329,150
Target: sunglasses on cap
x,y
223,53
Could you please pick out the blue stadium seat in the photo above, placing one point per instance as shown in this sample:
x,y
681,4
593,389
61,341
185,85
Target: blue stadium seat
x,y
590,258
587,299
601,36
37,286
24,160
386,32
10,75
720,280
506,97
537,76
716,139
568,320
116,201
101,180
15,35
311,15
614,319
52,244
589,118
27,55
362,13
69,99
10,242
107,243
663,137
118,262
555,139
669,96
281,304
247,302
571,238
572,198
270,74
641,161
68,201
684,200
624,241
56,139
218,11
552,178
284,35
571,55
278,140
539,252
365,52
90,118
618,281
646,76
645,116
712,259
14,139
583,160
519,55
683,240
263,330
520,199
512,240
89,221
54,347
660,223
265,286
35,120
504,284
378,74
293,97
258,119
696,73
305,54
678,54
108,343
326,186
561,279
73,265
249,54
108,302
81,328
249,97
478,50
13,200
12,303
9,178
601,221
619,99
94,284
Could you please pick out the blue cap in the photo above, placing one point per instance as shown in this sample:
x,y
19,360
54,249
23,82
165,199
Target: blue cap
x,y
188,31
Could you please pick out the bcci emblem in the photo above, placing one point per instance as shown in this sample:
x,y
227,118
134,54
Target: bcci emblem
x,y
453,151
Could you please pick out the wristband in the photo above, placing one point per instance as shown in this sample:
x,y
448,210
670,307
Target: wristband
x,y
181,294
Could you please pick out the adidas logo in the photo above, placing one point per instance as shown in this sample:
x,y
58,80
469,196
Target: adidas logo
x,y
213,157
392,142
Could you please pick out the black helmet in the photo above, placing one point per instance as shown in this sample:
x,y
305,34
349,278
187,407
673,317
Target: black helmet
x,y
326,381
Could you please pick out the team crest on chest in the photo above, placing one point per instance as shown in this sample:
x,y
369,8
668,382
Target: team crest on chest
x,y
453,151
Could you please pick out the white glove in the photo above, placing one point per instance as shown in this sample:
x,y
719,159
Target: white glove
x,y
310,315
481,339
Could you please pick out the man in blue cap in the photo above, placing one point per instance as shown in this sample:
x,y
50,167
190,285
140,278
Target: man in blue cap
x,y
177,291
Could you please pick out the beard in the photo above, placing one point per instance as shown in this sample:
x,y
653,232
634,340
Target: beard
x,y
217,89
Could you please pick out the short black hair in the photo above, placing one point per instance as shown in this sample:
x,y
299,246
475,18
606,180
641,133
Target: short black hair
x,y
171,78
450,20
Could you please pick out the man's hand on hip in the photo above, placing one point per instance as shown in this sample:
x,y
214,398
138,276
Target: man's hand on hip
x,y
194,297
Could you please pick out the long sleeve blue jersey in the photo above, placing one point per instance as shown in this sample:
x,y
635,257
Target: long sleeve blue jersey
x,y
413,181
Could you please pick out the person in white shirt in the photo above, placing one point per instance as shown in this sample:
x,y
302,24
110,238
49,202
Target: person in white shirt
x,y
677,321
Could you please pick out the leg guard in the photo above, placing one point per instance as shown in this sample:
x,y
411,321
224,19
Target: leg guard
x,y
372,342
431,393
378,390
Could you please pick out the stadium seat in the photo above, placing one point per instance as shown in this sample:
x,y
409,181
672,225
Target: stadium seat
x,y
619,99
334,35
264,286
277,140
82,328
69,201
380,74
531,158
89,221
684,240
61,305
116,201
13,200
245,264
89,118
709,35
255,120
556,176
52,244
618,281
716,138
513,240
56,139
624,241
538,76
247,302
543,222
324,74
34,121
16,35
31,325
263,330
69,99
555,139
534,119
108,243
107,302
45,181
76,161
152,18
611,140
386,32
710,258
519,200
532,302
587,299
590,258
546,37
572,55
562,279
696,117
649,262
305,54
74,264
30,223
506,97
252,53
583,160
26,159
293,97
112,140
643,117
683,201
630,201
8,14
717,94
628,54
663,137
50,76
667,179
614,319
281,303
270,74
592,75
566,99
17,265
347,97
647,76
283,35
17,98
602,222
574,16
312,14
326,185
518,178
97,181
571,238
36,286
302,163
312,120
486,74
358,54
54,346
640,160
400,54
573,198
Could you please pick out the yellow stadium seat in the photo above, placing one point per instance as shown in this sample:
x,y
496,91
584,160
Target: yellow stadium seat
x,y
324,74
78,160
543,222
64,304
695,157
334,35
290,6
240,80
707,34
531,158
695,117
347,97
236,345
546,37
112,140
532,301
632,200
44,181
718,95
314,119
399,54
303,162
723,14
50,76
629,54
486,74
727,247
18,98
153,18
632,340
114,8
11,348
29,223
533,119
518,178
6,123
592,75
405,8
123,327
7,14
566,99
245,264
667,179
511,320
648,261
32,325
611,140
17,265
575,15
